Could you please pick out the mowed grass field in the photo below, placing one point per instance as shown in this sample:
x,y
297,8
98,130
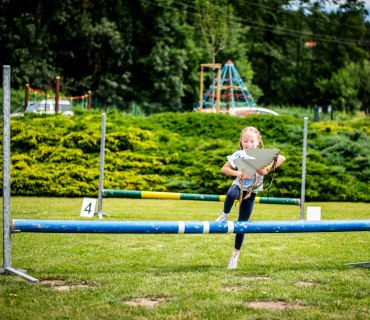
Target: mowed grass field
x,y
103,276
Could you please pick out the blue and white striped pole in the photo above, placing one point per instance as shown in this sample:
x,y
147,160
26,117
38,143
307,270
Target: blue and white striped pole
x,y
174,227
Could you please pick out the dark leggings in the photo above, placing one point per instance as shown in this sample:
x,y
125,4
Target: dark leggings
x,y
245,209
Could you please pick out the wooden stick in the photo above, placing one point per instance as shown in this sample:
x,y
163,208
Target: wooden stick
x,y
241,189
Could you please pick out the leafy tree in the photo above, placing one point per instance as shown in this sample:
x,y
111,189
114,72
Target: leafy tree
x,y
148,52
166,56
348,88
361,75
212,18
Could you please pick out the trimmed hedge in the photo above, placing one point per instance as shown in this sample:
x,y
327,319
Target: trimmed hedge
x,y
59,156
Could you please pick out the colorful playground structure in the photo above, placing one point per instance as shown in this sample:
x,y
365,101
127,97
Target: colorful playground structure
x,y
227,94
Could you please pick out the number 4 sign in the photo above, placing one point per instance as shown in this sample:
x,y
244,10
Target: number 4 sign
x,y
88,207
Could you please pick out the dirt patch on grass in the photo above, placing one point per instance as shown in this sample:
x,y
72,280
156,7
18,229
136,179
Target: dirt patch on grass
x,y
274,305
257,278
145,302
305,284
62,285
235,288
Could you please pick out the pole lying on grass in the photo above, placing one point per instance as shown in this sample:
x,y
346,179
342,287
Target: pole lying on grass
x,y
201,227
110,193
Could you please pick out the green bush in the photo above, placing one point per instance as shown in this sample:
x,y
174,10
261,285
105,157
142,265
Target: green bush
x,y
59,156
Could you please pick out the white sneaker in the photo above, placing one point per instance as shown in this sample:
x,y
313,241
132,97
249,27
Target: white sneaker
x,y
233,262
223,217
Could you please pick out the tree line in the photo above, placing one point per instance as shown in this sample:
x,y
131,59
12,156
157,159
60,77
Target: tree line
x,y
148,52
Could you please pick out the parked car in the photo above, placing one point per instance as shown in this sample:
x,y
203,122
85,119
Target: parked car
x,y
46,107
20,111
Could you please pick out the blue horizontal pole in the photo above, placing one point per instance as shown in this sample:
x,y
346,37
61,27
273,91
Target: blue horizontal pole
x,y
155,227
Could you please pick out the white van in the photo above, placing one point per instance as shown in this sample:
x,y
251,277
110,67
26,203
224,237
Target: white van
x,y
45,107
20,111
48,107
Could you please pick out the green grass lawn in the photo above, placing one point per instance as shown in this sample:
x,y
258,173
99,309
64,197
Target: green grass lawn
x,y
112,276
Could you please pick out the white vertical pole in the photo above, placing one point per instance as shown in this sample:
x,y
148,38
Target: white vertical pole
x,y
7,268
304,155
101,171
6,167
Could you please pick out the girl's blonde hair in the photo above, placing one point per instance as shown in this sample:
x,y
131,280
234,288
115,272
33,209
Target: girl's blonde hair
x,y
252,130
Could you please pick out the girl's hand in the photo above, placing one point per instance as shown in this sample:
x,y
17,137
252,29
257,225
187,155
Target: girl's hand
x,y
239,175
263,171
266,170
